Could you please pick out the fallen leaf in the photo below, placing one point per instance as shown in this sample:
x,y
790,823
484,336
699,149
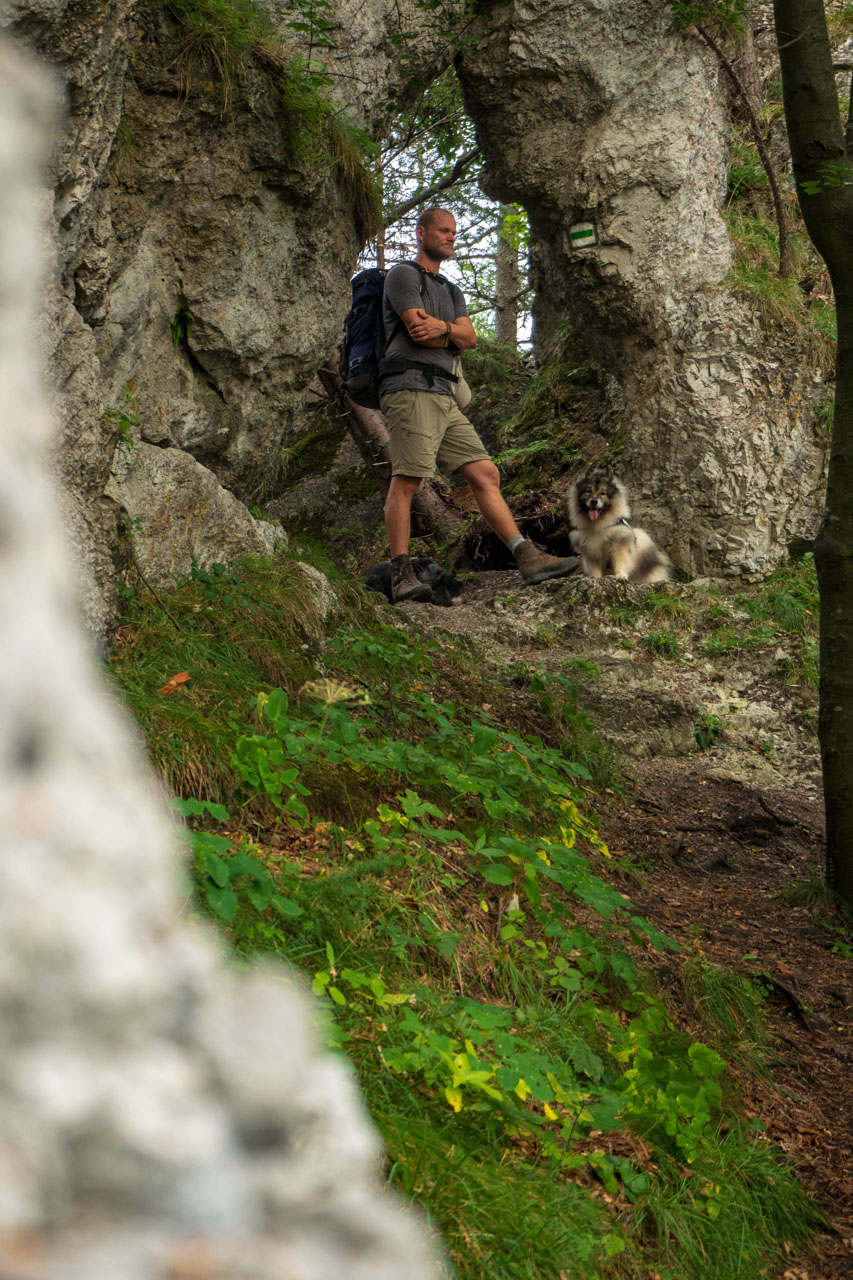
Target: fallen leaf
x,y
174,682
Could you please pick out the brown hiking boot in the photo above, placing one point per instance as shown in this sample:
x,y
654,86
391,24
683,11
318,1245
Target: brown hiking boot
x,y
404,583
537,566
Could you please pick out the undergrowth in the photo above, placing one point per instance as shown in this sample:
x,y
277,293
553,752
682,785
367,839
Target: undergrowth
x,y
559,409
799,305
435,867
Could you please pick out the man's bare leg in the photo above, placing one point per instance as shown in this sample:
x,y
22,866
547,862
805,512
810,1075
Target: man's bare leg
x,y
534,565
485,483
398,513
398,526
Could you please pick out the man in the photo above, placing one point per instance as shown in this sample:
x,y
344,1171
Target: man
x,y
427,322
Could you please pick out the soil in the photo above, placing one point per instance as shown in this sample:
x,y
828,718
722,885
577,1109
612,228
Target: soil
x,y
731,845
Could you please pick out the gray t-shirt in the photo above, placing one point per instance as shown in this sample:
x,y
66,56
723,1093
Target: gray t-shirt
x,y
440,298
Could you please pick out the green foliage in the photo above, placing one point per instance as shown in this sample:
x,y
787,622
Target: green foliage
x,y
432,155
241,630
232,878
545,430
800,304
729,1006
783,608
217,37
665,602
663,644
707,730
435,872
181,326
725,14
125,420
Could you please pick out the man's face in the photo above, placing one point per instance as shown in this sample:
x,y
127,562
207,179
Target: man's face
x,y
438,238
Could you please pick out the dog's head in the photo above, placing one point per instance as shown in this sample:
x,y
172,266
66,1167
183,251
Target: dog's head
x,y
598,496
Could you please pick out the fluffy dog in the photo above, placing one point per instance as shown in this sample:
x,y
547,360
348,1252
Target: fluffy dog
x,y
603,537
446,587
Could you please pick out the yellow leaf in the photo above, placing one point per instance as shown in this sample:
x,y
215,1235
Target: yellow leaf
x,y
454,1097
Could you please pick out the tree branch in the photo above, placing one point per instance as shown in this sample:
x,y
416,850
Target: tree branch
x,y
427,193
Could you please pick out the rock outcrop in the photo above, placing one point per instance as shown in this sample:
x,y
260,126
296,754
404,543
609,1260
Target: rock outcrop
x,y
161,1115
204,247
607,116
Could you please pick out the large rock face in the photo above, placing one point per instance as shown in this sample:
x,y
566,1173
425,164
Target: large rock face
x,y
603,112
204,251
161,1115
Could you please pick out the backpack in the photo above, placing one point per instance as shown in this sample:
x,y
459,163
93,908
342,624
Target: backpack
x,y
365,340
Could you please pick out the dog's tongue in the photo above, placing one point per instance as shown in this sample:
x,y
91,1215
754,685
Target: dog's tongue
x,y
593,513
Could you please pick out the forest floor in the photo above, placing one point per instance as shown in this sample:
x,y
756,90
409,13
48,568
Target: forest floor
x,y
723,855
725,848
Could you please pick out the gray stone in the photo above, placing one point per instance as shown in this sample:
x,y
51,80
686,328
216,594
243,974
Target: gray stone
x,y
584,117
180,514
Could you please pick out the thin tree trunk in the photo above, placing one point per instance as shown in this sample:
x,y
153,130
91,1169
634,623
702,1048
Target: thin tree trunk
x,y
506,283
380,239
367,428
748,64
824,177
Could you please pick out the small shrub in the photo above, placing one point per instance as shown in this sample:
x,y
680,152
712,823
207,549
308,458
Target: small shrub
x,y
707,730
663,644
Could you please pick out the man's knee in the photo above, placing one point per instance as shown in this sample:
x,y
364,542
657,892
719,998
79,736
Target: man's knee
x,y
482,475
405,484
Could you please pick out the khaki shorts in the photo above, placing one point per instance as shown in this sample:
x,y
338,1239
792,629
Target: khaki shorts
x,y
426,429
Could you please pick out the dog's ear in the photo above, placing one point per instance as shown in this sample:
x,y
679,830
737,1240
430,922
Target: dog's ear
x,y
609,473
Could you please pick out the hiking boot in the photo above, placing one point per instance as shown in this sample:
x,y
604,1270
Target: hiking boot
x,y
537,566
404,583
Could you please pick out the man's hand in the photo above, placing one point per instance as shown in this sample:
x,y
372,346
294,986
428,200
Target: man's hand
x,y
429,331
423,327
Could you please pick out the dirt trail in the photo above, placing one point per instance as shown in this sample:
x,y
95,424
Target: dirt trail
x,y
724,835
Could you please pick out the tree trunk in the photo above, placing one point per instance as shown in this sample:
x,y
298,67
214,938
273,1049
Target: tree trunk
x,y
824,175
506,283
432,515
748,64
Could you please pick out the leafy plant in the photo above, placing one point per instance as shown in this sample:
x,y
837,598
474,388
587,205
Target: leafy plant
x,y
435,871
707,730
125,420
663,643
181,326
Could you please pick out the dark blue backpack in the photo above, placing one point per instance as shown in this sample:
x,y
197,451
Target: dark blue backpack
x,y
365,340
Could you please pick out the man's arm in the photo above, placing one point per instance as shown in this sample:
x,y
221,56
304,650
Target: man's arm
x,y
428,331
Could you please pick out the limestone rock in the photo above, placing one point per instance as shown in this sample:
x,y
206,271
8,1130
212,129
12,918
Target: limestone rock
x,y
606,113
179,514
204,251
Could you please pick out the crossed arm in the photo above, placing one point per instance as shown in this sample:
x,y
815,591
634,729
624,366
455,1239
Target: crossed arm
x,y
429,331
